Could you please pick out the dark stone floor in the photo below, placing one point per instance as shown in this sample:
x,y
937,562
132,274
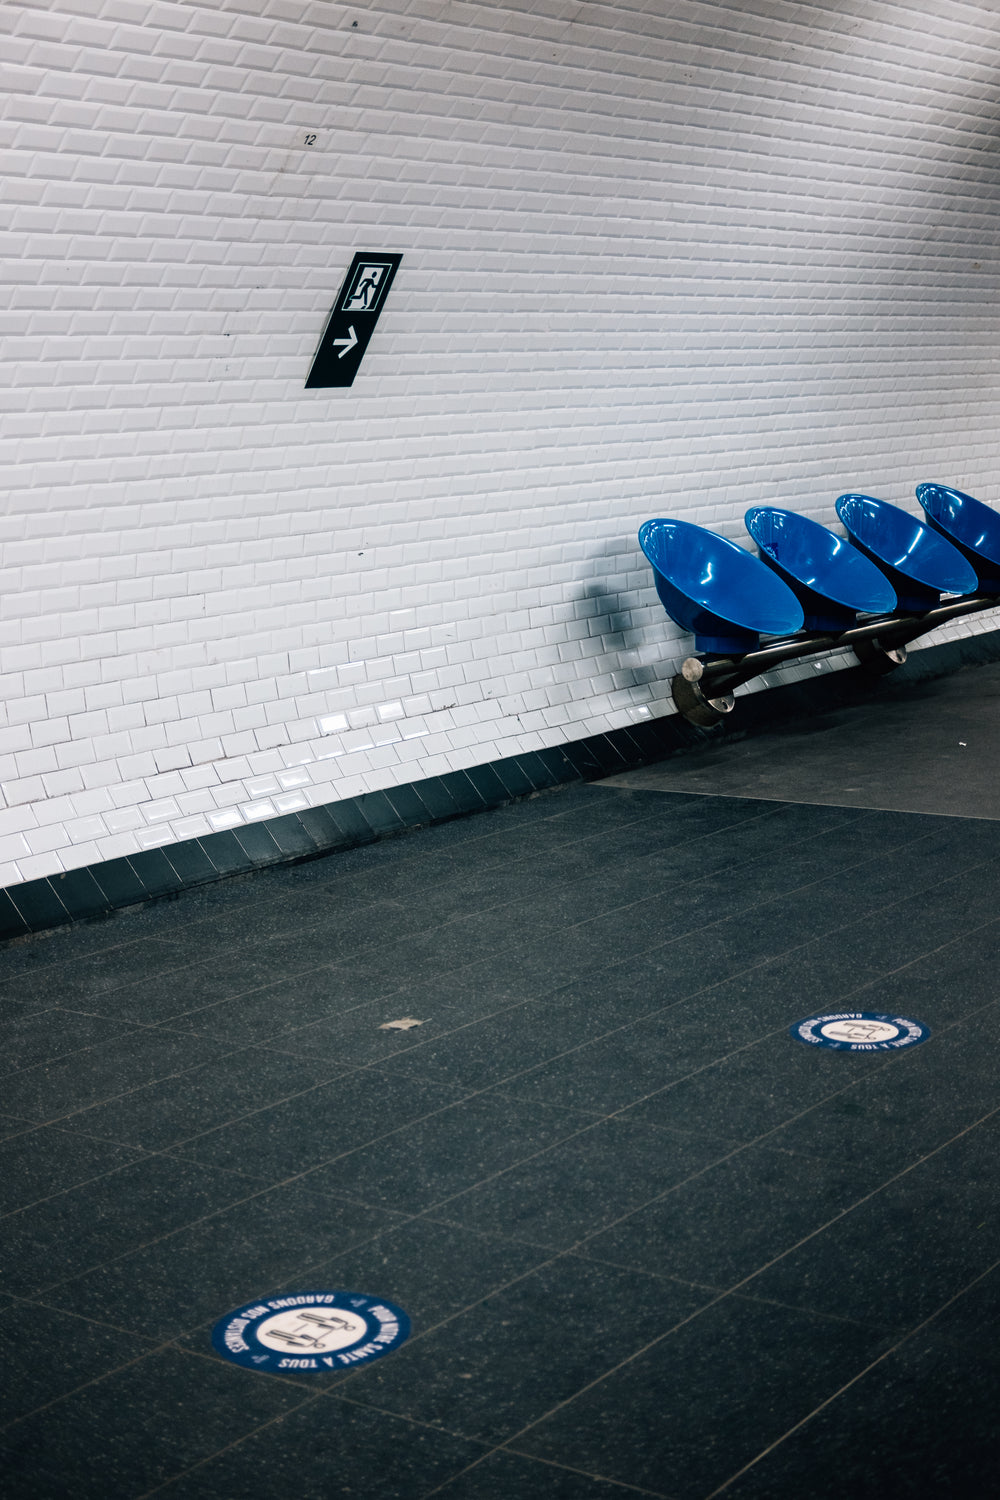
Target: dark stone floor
x,y
649,1243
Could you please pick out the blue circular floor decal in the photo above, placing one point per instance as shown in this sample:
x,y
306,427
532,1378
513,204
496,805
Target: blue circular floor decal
x,y
861,1031
310,1332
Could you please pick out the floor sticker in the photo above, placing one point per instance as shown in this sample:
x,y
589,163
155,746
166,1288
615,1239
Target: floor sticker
x,y
310,1332
861,1031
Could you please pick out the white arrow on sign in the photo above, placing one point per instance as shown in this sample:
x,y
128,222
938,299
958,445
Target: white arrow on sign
x,y
348,343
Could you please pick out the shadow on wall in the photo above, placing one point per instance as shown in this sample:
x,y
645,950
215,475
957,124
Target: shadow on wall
x,y
633,646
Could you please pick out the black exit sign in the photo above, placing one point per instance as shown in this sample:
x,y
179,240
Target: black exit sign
x,y
352,322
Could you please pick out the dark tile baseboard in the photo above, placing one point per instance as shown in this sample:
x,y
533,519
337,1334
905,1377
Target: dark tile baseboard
x,y
99,889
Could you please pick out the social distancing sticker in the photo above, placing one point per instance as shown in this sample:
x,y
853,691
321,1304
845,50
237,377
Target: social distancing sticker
x,y
861,1031
310,1332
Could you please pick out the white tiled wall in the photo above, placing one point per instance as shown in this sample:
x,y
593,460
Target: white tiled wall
x,y
661,257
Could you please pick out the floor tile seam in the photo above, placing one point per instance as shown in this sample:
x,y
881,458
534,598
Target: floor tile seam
x,y
72,1011
514,1166
342,1071
715,1301
440,1217
551,1463
617,1484
71,927
578,1246
922,958
269,1184
747,912
252,1179
263,1187
685,1077
681,1000
592,1116
32,1125
951,942
635,1020
40,1292
139,1154
156,1343
402,1129
175,1149
638,823
671,884
692,882
430,1041
866,1198
379,999
499,1087
39,1296
905,812
276,902
549,1258
345,1073
896,1330
141,1157
157,1346
514,1438
502,857
336,1393
711,1290
873,1365
842,870
234,1051
913,1058
307,1400
291,1380
165,1025
788,952
353,953
169,1024
128,1028
258,949
285,977
139,1025
707,989
538,999
109,989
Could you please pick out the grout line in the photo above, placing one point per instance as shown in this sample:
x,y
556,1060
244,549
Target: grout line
x,y
609,912
576,1248
900,1343
177,1146
156,1347
549,1463
416,859
637,822
737,1286
263,1427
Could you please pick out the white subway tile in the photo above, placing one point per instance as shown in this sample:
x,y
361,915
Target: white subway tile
x,y
212,575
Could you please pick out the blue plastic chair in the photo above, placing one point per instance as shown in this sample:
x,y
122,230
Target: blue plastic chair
x,y
920,564
831,579
715,589
970,525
